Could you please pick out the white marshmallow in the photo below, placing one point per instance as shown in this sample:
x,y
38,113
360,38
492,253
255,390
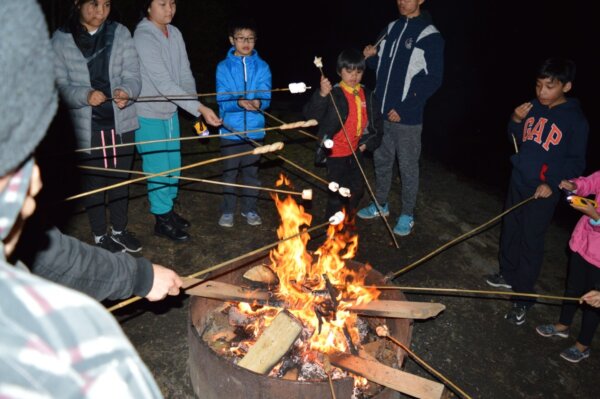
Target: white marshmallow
x,y
295,88
328,143
333,186
345,192
337,218
307,194
318,62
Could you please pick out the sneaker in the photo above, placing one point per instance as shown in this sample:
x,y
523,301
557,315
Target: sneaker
x,y
252,218
516,315
497,280
573,354
549,330
226,220
127,240
107,243
371,211
404,225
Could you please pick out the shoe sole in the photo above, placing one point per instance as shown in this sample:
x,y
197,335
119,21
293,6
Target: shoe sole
x,y
256,223
125,248
557,334
225,224
573,360
403,234
496,285
385,214
174,240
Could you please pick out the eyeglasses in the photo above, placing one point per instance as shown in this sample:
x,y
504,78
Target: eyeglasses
x,y
241,39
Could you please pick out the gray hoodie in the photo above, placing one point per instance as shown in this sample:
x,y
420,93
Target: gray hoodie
x,y
165,71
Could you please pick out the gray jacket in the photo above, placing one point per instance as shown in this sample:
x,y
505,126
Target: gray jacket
x,y
73,81
165,71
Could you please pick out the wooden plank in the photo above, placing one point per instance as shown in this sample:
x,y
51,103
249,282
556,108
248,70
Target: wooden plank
x,y
399,309
397,380
227,292
272,344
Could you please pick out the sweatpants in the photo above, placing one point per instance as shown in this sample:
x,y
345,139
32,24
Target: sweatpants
x,y
247,167
404,143
344,171
108,157
583,277
522,238
159,157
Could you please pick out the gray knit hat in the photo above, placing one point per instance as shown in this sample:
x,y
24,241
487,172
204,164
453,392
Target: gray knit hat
x,y
27,92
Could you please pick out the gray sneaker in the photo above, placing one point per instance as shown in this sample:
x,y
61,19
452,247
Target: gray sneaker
x,y
548,330
497,280
252,218
226,220
573,354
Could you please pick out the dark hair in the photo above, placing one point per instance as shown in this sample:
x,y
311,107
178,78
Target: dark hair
x,y
73,21
350,59
144,6
239,23
561,69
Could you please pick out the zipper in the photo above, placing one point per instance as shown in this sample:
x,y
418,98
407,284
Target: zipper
x,y
393,52
245,89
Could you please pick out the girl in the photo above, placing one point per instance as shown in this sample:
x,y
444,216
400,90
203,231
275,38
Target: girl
x,y
96,60
584,272
165,71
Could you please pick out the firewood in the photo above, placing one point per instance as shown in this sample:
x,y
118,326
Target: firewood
x,y
399,309
227,292
398,380
273,344
261,275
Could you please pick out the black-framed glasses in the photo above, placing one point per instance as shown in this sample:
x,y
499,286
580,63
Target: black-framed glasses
x,y
242,39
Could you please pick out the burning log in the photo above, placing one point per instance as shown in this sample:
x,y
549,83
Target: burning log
x,y
399,309
261,275
227,292
390,377
273,344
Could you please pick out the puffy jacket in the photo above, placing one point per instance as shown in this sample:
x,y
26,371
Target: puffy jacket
x,y
585,239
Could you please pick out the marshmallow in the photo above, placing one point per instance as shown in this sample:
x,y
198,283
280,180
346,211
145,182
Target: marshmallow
x,y
337,218
318,62
295,88
328,143
333,186
307,194
345,192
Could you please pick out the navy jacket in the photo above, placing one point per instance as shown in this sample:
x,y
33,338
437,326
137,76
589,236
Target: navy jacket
x,y
553,143
410,67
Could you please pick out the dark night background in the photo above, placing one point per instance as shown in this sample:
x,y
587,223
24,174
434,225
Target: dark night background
x,y
492,51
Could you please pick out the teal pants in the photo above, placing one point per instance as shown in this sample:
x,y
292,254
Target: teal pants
x,y
159,157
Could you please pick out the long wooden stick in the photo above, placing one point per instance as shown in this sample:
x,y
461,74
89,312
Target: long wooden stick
x,y
284,126
362,172
194,96
312,136
218,183
459,239
479,292
226,263
257,150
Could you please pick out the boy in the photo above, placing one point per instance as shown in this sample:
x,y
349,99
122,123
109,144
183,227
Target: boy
x,y
359,110
242,70
553,132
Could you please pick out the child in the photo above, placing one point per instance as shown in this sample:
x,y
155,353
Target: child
x,y
359,110
553,133
242,70
96,60
165,71
584,272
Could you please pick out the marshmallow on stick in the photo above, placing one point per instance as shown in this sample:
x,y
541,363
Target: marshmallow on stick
x,y
345,192
337,218
333,186
318,62
307,194
299,87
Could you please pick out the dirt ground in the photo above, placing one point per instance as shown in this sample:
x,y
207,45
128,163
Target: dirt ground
x,y
470,343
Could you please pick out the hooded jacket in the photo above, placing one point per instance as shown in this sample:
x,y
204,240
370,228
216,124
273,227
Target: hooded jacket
x,y
553,143
235,74
409,66
585,239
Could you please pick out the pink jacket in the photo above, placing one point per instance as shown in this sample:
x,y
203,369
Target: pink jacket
x,y
585,239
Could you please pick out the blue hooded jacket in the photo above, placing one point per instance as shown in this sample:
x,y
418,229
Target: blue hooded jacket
x,y
410,67
236,74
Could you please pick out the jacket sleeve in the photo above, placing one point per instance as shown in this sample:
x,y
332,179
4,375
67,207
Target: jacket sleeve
x,y
226,83
573,163
588,185
74,96
263,82
150,57
423,85
316,107
89,269
131,79
375,128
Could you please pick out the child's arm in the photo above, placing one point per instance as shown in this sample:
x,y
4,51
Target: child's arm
x,y
514,125
262,99
319,102
592,298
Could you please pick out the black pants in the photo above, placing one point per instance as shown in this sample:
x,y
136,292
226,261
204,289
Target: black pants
x,y
247,166
345,172
522,238
583,277
118,198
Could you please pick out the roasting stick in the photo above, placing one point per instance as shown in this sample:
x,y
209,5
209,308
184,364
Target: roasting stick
x,y
192,278
258,150
280,121
458,239
305,194
481,292
284,126
319,64
383,331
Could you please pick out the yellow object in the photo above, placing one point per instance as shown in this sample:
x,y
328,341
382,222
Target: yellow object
x,y
200,127
581,201
355,91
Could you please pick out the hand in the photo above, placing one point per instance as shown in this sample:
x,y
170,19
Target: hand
x,y
209,116
248,105
393,116
325,87
95,98
369,51
587,209
362,147
567,185
166,282
120,97
542,191
521,112
592,298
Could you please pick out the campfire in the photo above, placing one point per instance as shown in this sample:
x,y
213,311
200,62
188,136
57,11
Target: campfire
x,y
306,317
